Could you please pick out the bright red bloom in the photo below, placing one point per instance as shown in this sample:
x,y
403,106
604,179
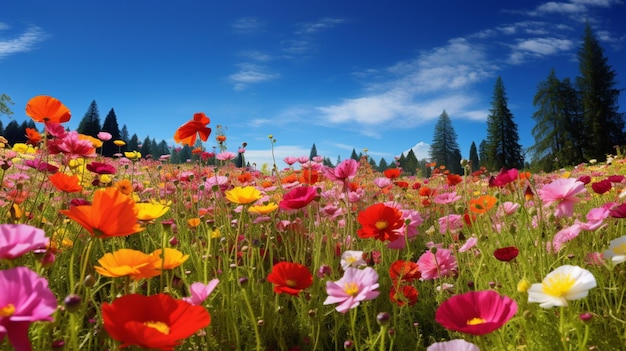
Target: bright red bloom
x,y
380,222
157,322
404,270
298,197
290,278
453,179
392,173
476,312
506,254
407,294
187,133
34,137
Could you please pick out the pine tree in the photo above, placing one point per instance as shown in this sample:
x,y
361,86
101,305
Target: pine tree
x,y
382,165
603,125
473,157
502,148
557,132
146,148
1,128
5,102
124,135
13,134
90,124
411,164
110,126
444,149
313,152
133,143
162,149
354,156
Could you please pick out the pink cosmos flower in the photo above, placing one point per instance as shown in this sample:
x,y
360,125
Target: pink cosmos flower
x,y
564,235
200,291
439,264
290,160
470,243
226,156
453,345
446,198
105,136
476,312
55,129
595,218
19,239
382,182
25,298
509,207
412,220
355,286
450,223
563,192
74,147
343,171
298,197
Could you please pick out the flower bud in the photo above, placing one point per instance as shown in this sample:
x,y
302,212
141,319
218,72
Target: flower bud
x,y
383,318
72,303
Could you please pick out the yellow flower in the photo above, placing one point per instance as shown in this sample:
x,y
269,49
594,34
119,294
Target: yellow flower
x,y
243,195
523,285
23,148
96,143
105,178
149,211
132,155
119,143
168,259
216,233
263,209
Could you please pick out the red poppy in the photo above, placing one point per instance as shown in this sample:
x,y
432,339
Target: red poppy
x,y
403,185
298,197
309,177
187,133
453,179
404,271
157,322
426,191
34,137
380,222
392,173
407,294
46,109
585,179
290,278
476,312
602,186
506,254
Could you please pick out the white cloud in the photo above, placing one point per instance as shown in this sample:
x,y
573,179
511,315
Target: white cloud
x,y
421,151
251,74
24,42
559,7
248,25
257,56
525,49
320,25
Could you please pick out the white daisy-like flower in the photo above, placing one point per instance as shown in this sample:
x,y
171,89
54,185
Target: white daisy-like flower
x,y
565,283
351,258
617,250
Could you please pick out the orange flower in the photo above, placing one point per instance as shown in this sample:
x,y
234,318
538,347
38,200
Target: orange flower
x,y
244,177
309,177
65,183
46,109
124,186
126,262
197,151
110,214
168,259
34,137
453,179
289,179
220,139
193,222
187,133
392,173
426,191
482,204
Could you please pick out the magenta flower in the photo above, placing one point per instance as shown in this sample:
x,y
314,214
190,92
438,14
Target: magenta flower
x,y
595,218
343,171
200,291
298,197
355,286
19,239
476,312
435,265
25,298
74,147
503,178
563,192
101,168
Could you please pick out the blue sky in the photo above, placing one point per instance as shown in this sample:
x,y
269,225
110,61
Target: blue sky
x,y
342,75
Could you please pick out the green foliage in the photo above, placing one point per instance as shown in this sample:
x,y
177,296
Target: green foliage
x,y
5,103
90,124
313,152
110,126
444,148
473,158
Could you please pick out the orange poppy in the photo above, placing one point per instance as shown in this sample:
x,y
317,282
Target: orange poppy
x,y
188,132
168,259
392,173
65,183
482,204
194,222
197,151
127,262
124,186
34,137
110,214
309,177
244,177
381,222
156,322
426,191
289,179
46,109
407,271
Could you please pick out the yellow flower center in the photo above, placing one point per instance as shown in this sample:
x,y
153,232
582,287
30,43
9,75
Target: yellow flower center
x,y
7,311
475,321
351,288
160,326
620,249
381,225
558,285
291,283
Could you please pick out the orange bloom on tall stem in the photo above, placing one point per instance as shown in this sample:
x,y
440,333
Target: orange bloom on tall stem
x,y
127,262
110,214
46,109
188,132
482,204
65,183
34,137
380,222
157,322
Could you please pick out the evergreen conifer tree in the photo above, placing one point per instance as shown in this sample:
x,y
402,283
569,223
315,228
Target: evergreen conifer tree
x,y
110,126
90,124
473,157
444,149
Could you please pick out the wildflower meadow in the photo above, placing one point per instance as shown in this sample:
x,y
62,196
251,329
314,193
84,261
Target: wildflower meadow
x,y
137,253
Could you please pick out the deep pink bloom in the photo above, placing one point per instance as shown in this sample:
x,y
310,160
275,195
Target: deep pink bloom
x,y
506,254
618,211
343,171
439,264
602,186
618,178
200,291
563,192
41,166
25,298
585,179
355,286
503,178
476,312
55,129
74,147
18,239
298,197
101,168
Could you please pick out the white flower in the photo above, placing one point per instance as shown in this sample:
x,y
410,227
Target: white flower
x,y
352,259
617,250
563,284
453,345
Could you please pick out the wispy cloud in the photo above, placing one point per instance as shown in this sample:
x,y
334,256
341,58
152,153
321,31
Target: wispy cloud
x,y
248,25
525,49
319,25
26,41
251,74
